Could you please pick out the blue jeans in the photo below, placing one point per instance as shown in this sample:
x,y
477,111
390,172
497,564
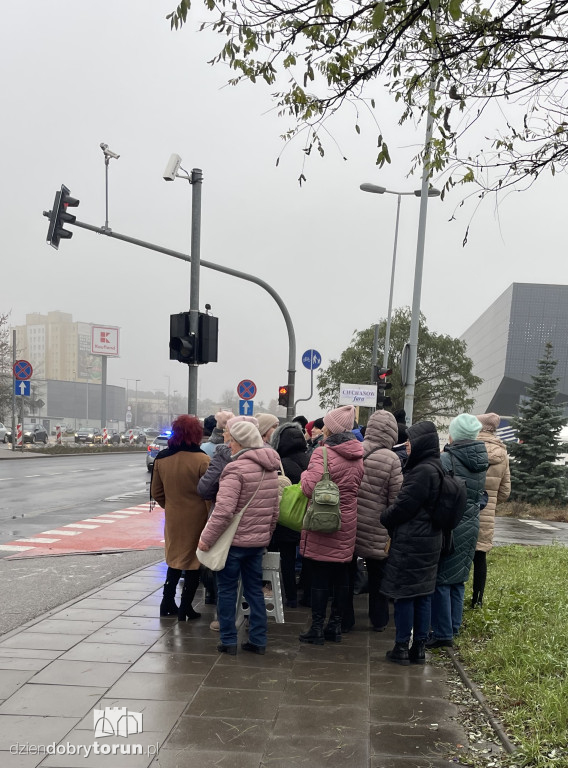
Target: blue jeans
x,y
411,613
447,610
245,562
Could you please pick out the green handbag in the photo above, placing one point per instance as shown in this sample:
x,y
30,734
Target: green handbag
x,y
293,505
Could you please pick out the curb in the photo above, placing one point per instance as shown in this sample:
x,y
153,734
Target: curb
x,y
480,698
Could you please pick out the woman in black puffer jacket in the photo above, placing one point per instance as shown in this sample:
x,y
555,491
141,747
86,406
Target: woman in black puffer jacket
x,y
290,444
410,571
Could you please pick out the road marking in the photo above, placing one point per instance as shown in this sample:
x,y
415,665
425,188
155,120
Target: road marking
x,y
114,517
12,548
38,541
52,474
127,512
538,524
77,470
80,525
65,533
6,478
97,520
32,475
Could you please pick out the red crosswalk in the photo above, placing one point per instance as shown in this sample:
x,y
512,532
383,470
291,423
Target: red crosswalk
x,y
125,529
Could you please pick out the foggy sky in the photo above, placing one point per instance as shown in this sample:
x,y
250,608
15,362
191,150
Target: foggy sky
x,y
76,75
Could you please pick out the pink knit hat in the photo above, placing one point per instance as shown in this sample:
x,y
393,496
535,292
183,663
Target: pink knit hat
x,y
265,421
340,420
489,422
244,429
222,418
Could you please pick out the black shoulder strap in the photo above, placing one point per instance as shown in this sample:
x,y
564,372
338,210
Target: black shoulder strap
x,y
366,456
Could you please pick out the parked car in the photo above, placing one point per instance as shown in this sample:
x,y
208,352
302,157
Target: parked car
x,y
31,433
114,437
139,437
158,444
3,433
87,435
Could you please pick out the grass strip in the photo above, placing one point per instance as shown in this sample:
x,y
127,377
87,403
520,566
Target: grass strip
x,y
516,649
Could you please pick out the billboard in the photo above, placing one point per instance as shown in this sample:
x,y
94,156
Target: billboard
x,y
104,340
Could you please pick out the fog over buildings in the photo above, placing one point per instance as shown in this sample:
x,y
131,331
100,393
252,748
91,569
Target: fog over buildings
x,y
81,74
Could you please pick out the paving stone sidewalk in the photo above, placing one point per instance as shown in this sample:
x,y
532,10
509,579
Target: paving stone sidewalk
x,y
299,705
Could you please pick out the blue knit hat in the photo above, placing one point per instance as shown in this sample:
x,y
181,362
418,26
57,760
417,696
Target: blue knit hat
x,y
465,427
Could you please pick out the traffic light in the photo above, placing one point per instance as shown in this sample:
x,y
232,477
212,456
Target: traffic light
x,y
183,344
284,395
58,217
207,338
383,401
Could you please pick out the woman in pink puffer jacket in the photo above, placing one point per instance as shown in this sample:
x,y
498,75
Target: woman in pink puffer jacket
x,y
330,553
250,476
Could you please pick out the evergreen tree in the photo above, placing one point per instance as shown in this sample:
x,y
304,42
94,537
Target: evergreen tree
x,y
535,475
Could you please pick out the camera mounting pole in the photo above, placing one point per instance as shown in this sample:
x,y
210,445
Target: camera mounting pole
x,y
108,153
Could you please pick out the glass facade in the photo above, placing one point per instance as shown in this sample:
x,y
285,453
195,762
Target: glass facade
x,y
508,340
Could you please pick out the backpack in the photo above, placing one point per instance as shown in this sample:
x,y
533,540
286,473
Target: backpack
x,y
449,508
323,514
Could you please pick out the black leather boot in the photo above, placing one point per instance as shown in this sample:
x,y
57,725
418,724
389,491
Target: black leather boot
x,y
399,654
340,602
189,589
168,605
417,653
314,635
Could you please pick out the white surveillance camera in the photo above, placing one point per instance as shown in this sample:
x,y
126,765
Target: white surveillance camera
x,y
172,168
108,152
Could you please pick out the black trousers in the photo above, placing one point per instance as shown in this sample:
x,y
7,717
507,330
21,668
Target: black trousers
x,y
479,576
378,603
330,576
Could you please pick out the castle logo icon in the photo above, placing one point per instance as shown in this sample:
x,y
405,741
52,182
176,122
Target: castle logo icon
x,y
116,721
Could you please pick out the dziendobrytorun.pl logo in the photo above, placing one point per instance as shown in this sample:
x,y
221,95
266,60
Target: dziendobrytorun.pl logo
x,y
107,722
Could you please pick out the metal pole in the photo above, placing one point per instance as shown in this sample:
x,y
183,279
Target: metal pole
x,y
104,393
13,391
388,331
290,411
136,404
305,399
415,319
196,186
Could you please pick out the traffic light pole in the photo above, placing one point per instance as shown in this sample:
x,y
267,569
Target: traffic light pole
x,y
290,410
196,186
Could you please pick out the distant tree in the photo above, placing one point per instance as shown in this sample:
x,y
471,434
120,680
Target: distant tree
x,y
444,379
5,369
535,475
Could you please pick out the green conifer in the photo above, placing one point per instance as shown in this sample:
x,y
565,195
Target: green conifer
x,y
536,477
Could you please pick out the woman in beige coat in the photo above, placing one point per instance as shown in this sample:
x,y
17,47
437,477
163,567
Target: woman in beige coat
x,y
177,470
498,487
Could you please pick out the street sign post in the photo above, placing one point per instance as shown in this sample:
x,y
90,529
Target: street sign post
x,y
22,370
311,359
246,389
22,387
246,407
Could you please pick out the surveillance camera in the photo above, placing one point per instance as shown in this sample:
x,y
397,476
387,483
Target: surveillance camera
x,y
172,168
108,152
208,307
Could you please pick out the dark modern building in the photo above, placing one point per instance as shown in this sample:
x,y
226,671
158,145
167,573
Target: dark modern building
x,y
508,340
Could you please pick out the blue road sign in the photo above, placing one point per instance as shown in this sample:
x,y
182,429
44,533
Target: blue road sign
x,y
22,370
22,387
246,389
311,359
246,407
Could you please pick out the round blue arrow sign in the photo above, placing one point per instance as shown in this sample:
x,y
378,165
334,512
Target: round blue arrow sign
x,y
311,359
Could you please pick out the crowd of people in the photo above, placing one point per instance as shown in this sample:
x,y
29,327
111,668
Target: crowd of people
x,y
390,481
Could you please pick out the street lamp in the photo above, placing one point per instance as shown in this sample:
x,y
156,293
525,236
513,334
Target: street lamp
x,y
374,188
136,404
195,178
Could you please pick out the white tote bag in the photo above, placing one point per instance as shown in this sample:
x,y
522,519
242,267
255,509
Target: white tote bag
x,y
216,557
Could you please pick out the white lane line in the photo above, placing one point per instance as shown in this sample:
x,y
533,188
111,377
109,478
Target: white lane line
x,y
538,524
126,512
97,520
65,533
37,541
12,548
32,475
52,474
77,470
6,478
114,517
80,525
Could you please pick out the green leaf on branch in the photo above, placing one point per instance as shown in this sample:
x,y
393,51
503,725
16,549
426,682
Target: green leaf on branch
x,y
378,16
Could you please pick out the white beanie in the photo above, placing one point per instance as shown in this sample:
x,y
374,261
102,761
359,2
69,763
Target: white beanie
x,y
265,421
244,429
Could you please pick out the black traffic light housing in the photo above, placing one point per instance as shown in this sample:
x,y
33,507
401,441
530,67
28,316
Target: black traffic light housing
x,y
58,217
183,344
380,376
284,395
186,347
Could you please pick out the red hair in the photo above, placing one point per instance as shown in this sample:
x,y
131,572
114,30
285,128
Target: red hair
x,y
185,429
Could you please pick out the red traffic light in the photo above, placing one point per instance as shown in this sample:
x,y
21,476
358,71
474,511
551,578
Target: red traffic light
x,y
284,395
384,372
